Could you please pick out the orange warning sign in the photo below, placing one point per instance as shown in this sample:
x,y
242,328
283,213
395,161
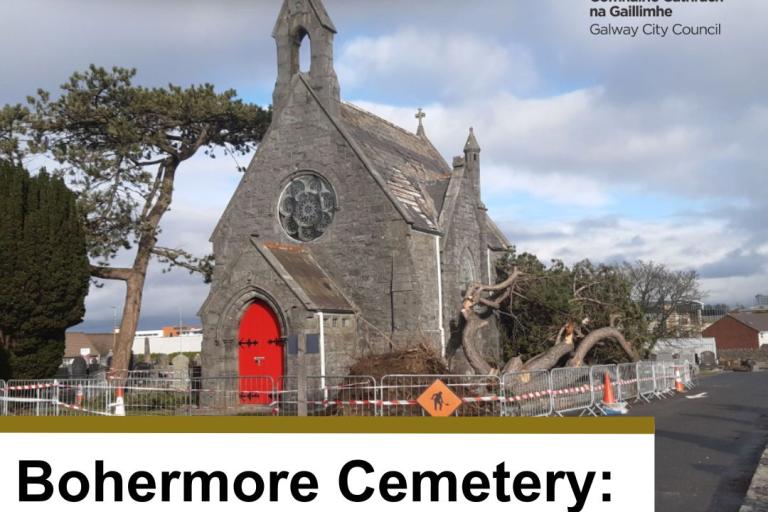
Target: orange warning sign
x,y
439,400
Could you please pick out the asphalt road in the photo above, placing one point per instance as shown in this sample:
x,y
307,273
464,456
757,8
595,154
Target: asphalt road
x,y
708,448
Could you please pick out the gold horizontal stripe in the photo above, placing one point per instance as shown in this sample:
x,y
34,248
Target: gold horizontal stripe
x,y
327,425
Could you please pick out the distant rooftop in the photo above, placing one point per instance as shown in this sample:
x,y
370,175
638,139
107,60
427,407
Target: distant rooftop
x,y
755,320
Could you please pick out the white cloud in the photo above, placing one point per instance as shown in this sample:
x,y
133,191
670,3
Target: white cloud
x,y
682,243
586,151
555,109
578,136
579,132
556,188
456,64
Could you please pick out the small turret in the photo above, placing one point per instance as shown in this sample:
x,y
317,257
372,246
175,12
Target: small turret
x,y
472,164
305,22
471,146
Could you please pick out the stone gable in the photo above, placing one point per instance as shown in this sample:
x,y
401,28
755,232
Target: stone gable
x,y
374,232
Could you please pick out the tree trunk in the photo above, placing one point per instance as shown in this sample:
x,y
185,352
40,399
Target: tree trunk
x,y
134,291
469,337
469,342
596,336
513,365
564,344
136,275
549,359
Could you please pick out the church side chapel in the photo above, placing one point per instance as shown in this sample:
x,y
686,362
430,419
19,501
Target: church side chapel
x,y
348,236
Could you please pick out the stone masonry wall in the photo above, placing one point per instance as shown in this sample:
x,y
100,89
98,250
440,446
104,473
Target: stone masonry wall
x,y
365,248
462,239
760,355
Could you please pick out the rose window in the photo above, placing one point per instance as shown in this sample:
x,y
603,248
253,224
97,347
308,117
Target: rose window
x,y
307,207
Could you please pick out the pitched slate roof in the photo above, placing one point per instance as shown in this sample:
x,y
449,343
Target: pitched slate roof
x,y
497,241
305,277
412,169
99,343
757,321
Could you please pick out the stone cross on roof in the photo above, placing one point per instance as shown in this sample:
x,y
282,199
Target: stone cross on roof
x,y
420,115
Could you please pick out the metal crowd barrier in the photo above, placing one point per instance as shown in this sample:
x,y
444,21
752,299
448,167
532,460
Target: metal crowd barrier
x,y
3,402
83,397
691,375
571,391
480,395
215,396
154,397
664,381
560,391
659,380
30,398
342,396
287,396
628,382
527,393
646,388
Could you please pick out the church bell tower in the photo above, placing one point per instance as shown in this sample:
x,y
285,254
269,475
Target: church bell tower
x,y
305,22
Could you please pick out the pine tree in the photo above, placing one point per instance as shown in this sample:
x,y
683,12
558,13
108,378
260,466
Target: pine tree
x,y
122,147
44,271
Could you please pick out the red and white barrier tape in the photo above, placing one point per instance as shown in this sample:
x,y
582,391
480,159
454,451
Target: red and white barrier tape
x,y
82,409
32,387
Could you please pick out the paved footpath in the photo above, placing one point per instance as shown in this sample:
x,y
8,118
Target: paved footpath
x,y
707,449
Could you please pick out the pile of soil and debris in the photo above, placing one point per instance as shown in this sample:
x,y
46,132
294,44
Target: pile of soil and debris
x,y
421,360
740,365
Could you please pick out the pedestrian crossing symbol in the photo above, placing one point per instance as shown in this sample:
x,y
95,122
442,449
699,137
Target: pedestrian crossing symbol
x,y
439,400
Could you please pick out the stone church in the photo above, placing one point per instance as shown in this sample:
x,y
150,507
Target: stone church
x,y
348,235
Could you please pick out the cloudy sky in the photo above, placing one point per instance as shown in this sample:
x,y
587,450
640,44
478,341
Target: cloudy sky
x,y
602,148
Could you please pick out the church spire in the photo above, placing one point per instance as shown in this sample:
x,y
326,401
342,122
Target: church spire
x,y
472,165
471,146
305,22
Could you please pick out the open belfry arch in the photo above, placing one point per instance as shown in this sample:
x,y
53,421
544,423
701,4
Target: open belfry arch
x,y
347,235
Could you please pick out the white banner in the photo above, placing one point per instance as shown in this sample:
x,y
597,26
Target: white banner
x,y
335,472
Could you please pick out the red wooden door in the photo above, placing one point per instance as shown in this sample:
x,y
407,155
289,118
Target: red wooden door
x,y
260,354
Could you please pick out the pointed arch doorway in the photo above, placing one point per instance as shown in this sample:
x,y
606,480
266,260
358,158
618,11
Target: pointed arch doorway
x,y
260,353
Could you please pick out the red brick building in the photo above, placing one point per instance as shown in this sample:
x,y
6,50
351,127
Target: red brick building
x,y
739,331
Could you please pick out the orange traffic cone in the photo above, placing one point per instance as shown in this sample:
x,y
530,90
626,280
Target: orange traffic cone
x,y
679,386
79,396
608,390
119,403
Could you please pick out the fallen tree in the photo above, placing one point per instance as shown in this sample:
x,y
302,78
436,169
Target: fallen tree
x,y
578,310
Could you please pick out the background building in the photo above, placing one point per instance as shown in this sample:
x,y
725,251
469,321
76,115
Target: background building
x,y
191,343
95,348
684,348
742,330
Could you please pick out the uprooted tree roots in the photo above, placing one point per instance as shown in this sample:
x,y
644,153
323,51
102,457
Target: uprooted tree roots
x,y
420,360
573,340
